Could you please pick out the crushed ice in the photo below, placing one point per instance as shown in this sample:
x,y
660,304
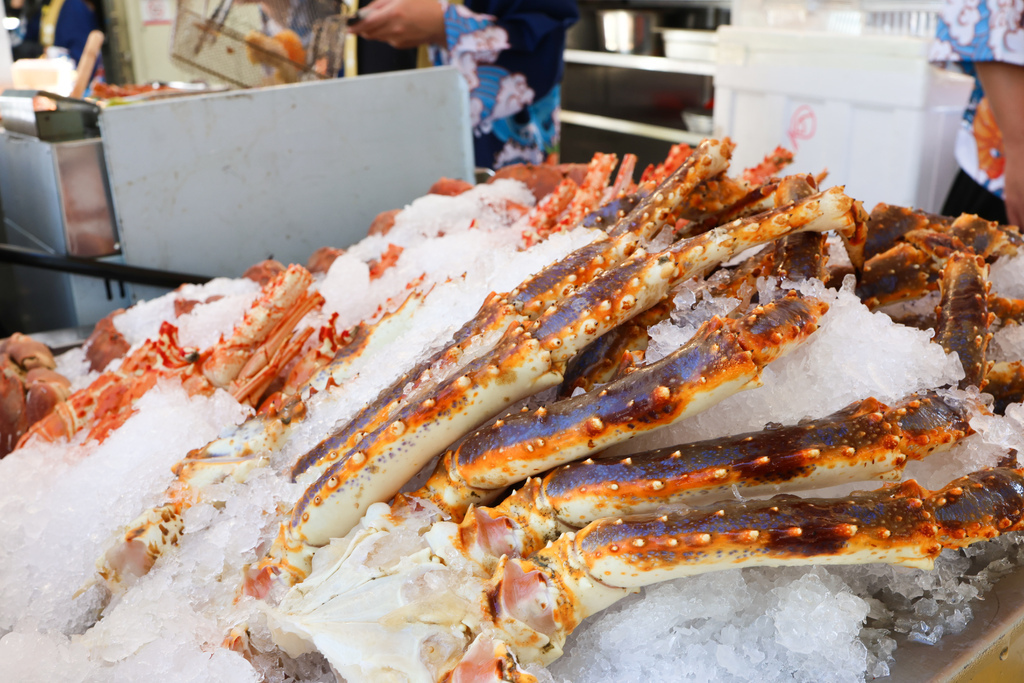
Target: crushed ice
x,y
60,504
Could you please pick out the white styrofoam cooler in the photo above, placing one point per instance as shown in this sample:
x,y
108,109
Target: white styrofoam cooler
x,y
869,108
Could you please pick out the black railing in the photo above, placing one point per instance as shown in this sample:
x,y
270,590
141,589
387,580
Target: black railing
x,y
101,269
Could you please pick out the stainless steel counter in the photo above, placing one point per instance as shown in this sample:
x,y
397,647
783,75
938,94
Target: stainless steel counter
x,y
989,650
56,201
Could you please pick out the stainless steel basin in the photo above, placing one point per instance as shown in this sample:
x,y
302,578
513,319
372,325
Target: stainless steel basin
x,y
627,31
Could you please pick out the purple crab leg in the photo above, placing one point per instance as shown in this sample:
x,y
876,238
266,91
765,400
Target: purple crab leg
x,y
535,603
865,440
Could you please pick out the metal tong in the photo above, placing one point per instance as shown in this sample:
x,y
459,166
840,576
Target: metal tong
x,y
217,19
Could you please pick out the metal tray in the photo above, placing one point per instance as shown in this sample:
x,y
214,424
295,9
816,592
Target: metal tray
x,y
989,650
70,119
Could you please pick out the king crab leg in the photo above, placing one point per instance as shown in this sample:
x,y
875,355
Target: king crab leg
x,y
963,318
866,440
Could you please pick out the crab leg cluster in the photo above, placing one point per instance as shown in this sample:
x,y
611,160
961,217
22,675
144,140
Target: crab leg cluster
x,y
241,363
723,357
527,359
146,537
149,535
912,265
461,524
866,440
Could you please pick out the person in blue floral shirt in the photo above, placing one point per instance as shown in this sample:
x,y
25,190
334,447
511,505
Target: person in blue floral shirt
x,y
509,52
987,38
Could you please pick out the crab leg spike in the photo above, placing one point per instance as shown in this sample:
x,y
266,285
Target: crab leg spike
x,y
537,602
725,356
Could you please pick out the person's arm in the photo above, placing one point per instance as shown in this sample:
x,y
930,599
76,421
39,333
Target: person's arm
x,y
402,23
1004,87
74,23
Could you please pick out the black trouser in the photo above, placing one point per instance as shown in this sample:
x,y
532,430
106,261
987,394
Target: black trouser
x,y
374,57
967,196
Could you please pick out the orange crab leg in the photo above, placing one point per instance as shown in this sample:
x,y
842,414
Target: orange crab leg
x,y
535,603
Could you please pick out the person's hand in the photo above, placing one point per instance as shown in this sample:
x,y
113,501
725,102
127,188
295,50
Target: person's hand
x,y
402,23
1004,87
1013,191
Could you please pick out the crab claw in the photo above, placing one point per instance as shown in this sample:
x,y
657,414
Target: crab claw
x,y
44,389
13,420
29,353
489,661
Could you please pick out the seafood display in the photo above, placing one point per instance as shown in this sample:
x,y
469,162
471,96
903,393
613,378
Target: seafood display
x,y
29,387
459,448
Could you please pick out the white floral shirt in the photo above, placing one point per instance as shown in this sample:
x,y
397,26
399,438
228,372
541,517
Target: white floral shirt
x,y
980,31
510,53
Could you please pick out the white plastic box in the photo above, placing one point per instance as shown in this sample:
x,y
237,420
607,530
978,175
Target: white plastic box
x,y
689,44
870,108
